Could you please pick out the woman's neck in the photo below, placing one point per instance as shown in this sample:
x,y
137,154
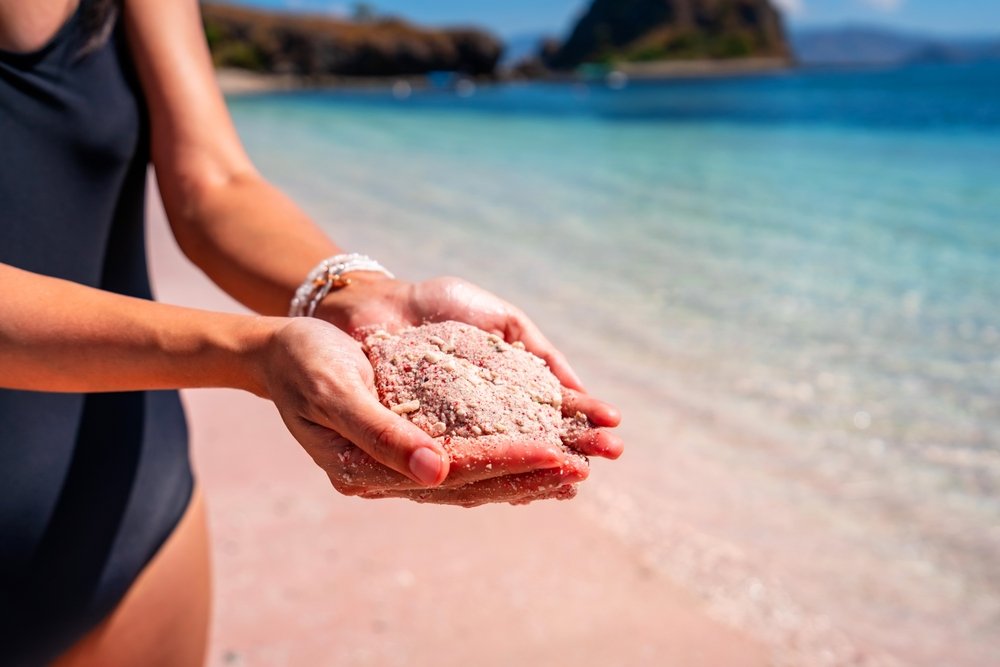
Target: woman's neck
x,y
29,26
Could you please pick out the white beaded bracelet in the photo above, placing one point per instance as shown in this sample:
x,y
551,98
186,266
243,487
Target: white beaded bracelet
x,y
328,275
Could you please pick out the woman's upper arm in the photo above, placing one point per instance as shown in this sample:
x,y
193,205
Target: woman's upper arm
x,y
194,143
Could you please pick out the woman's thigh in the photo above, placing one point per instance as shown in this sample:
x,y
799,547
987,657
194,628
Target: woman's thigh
x,y
163,619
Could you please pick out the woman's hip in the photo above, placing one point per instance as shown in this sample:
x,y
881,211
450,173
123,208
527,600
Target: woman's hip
x,y
163,620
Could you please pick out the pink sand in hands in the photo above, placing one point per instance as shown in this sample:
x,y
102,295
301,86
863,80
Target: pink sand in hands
x,y
471,389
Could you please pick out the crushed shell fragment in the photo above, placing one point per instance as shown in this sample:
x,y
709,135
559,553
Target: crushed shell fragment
x,y
406,408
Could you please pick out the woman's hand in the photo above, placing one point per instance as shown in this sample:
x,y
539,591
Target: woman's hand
x,y
517,473
374,300
322,384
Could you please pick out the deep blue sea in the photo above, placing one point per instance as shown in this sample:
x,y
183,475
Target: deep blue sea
x,y
791,285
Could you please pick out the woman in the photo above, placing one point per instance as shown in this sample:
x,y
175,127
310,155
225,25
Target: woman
x,y
103,556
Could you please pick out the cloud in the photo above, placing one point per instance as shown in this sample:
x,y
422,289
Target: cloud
x,y
793,7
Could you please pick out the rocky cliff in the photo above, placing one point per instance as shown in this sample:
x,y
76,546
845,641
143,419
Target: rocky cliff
x,y
652,30
318,45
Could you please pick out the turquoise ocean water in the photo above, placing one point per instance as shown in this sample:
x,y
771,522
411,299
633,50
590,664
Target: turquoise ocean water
x,y
790,283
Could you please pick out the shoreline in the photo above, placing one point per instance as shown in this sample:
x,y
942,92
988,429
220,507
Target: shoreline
x,y
235,82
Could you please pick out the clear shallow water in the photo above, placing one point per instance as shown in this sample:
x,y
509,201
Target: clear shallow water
x,y
790,283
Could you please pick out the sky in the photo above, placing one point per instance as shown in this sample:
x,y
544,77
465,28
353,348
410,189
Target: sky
x,y
514,17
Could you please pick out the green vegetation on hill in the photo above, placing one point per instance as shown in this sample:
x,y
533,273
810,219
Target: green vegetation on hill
x,y
689,46
615,31
318,45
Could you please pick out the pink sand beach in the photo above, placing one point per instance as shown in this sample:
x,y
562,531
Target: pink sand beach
x,y
304,576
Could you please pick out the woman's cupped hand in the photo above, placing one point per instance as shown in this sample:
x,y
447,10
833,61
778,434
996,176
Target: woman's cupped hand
x,y
323,386
374,300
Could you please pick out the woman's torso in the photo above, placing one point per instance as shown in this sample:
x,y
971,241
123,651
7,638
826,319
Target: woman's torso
x,y
90,485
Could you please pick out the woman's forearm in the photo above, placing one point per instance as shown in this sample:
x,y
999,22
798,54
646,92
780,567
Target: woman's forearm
x,y
248,237
59,336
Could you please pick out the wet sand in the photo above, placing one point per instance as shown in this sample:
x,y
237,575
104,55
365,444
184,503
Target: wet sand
x,y
306,577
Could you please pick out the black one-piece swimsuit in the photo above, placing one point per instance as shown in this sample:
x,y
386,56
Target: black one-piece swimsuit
x,y
90,485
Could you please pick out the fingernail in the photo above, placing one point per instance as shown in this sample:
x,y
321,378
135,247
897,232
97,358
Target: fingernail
x,y
426,464
614,446
612,416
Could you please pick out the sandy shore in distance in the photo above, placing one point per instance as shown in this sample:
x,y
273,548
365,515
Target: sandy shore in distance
x,y
306,577
244,82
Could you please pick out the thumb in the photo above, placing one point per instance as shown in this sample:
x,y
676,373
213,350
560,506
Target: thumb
x,y
393,441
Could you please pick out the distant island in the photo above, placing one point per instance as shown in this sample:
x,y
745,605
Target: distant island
x,y
618,32
859,45
365,46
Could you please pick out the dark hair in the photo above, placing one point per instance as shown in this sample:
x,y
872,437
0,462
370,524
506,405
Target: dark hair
x,y
98,18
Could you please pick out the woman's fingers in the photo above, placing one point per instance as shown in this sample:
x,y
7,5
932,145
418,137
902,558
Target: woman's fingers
x,y
597,442
511,488
317,374
598,412
388,438
352,468
473,464
353,472
593,441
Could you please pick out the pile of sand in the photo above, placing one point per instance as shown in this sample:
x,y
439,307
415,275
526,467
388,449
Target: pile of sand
x,y
470,388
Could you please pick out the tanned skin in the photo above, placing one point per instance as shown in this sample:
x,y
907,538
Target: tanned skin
x,y
258,246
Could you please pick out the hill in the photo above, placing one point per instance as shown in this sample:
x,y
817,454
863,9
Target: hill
x,y
321,45
659,30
